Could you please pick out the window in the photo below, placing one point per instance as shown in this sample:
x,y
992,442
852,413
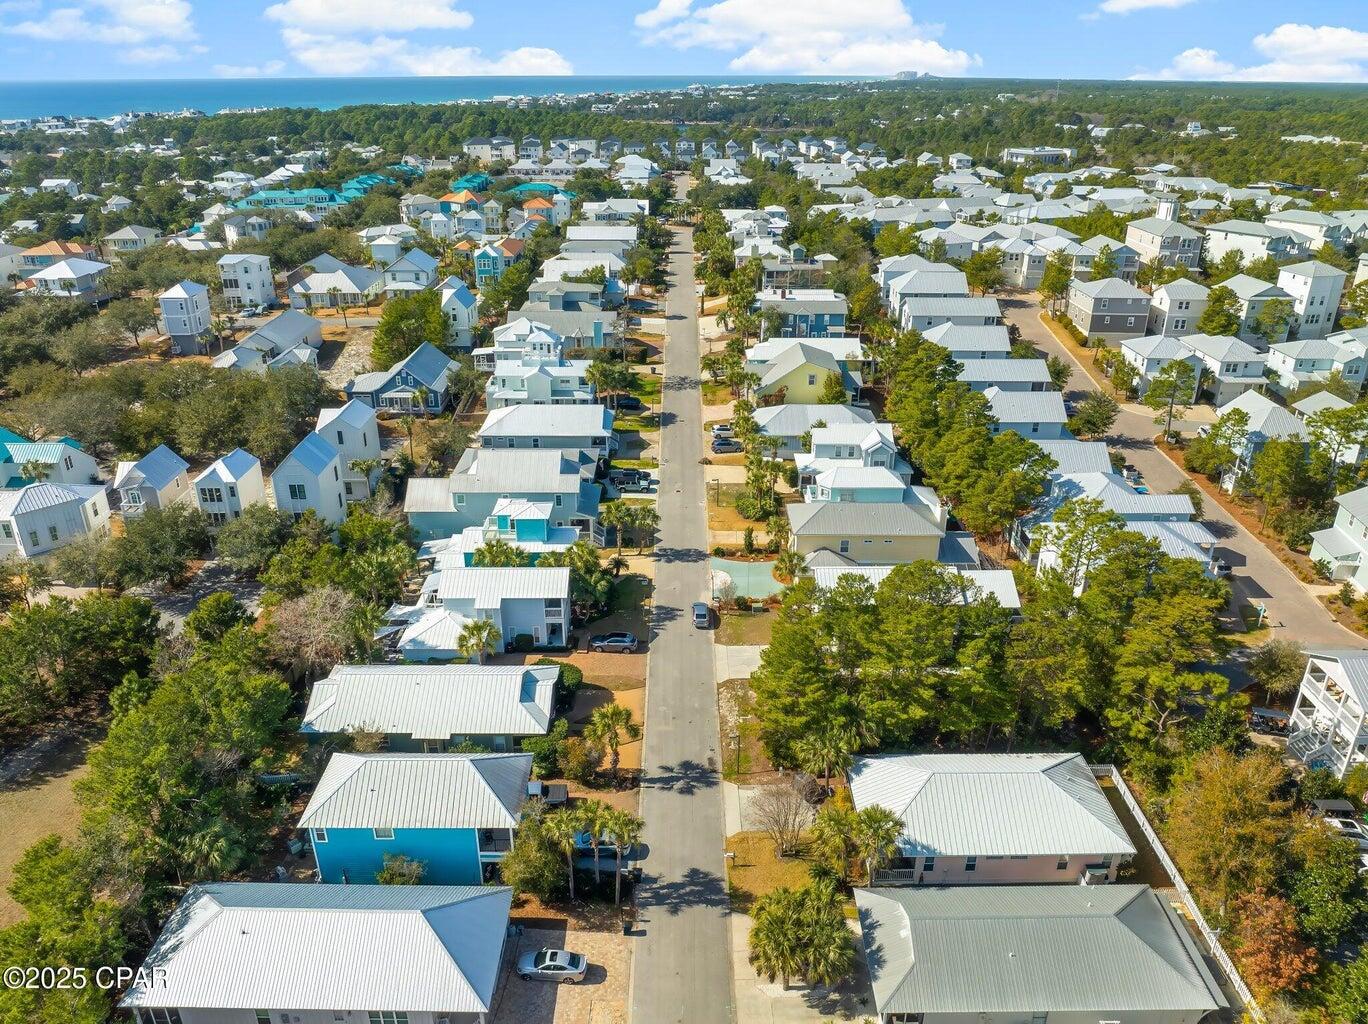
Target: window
x,y
210,494
7,530
812,379
159,1016
387,1017
460,499
335,474
1107,861
320,835
347,484
1039,1018
67,462
1063,863
558,501
33,538
928,863
263,1016
1106,319
382,833
970,863
845,547
232,491
297,492
1130,321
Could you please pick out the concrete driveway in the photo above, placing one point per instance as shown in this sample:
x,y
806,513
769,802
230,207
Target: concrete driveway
x,y
1259,576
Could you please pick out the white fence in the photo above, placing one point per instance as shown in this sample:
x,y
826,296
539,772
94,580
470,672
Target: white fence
x,y
1211,936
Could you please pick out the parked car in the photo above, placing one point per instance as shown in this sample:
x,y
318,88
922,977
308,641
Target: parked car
x,y
702,615
552,965
721,430
253,311
630,403
1220,567
1349,829
585,848
623,643
1131,474
636,484
726,445
617,476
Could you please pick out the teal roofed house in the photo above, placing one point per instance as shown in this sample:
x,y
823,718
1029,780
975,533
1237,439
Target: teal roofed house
x,y
538,188
476,181
355,188
408,170
293,199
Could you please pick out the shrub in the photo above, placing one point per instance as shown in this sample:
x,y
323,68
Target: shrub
x,y
751,508
571,676
522,643
546,750
1347,593
580,760
719,551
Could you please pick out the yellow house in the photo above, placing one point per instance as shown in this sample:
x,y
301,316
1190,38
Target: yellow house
x,y
867,533
800,372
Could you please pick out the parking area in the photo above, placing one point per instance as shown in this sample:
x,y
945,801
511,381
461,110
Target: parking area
x,y
600,999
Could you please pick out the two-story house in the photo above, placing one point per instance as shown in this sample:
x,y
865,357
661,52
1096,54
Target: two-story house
x,y
923,314
1303,360
1006,374
453,813
806,312
865,533
1253,241
573,427
534,379
529,526
72,278
229,485
38,518
310,477
248,953
985,819
493,258
460,310
531,602
1315,288
855,444
788,426
1253,295
420,382
1108,308
431,708
155,481
1170,243
1329,723
971,342
1032,414
413,271
131,239
1176,307
58,462
354,432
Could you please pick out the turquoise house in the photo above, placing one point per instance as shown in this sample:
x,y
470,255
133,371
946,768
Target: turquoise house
x,y
476,181
454,813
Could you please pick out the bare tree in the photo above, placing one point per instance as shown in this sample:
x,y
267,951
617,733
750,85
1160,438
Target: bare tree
x,y
782,813
316,630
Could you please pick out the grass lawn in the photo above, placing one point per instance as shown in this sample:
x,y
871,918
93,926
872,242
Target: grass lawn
x,y
648,387
1250,615
642,423
636,463
744,628
629,597
757,870
716,394
736,704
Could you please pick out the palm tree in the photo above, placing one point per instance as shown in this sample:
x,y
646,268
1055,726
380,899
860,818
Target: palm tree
x,y
775,938
406,421
832,832
561,828
616,565
645,520
478,636
875,838
608,725
624,830
825,753
593,817
335,294
617,515
788,566
35,470
828,954
365,467
420,395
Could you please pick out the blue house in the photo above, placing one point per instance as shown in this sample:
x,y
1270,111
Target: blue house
x,y
806,312
525,524
454,813
397,389
476,181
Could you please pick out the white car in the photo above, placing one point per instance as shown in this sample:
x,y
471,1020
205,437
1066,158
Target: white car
x,y
1349,829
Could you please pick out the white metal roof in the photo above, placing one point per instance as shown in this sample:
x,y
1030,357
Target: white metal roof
x,y
245,945
434,701
419,791
489,587
980,583
991,804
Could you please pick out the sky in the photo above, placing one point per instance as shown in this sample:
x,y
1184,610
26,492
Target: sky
x,y
1244,40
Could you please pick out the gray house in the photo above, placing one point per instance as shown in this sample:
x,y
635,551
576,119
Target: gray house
x,y
569,427
431,708
156,480
1108,308
1072,954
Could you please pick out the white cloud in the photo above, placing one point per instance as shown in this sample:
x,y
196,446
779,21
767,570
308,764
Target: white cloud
x,y
145,25
358,16
162,53
1296,53
1130,6
387,53
872,37
265,70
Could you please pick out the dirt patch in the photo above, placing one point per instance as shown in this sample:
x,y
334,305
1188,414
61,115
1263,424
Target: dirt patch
x,y
345,353
743,759
745,629
756,869
590,698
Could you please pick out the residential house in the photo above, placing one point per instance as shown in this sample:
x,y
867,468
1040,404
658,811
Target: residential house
x,y
1069,953
787,425
965,342
1320,229
66,185
1253,241
354,432
922,314
441,507
1108,308
130,239
1176,307
578,264
454,813
245,229
1020,155
60,462
993,819
38,518
414,271
247,280
1343,545
570,427
158,479
72,278
310,477
799,371
865,533
430,709
1226,367
1253,294
421,381
1169,242
1329,724
528,525
1315,288
518,339
45,255
185,317
524,601
1267,421
852,445
460,309
537,380
228,486
807,312
493,258
1303,360
1006,374
1032,414
972,585
343,285
231,948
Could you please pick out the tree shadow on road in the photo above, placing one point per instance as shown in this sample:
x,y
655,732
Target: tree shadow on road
x,y
698,888
685,778
680,554
678,382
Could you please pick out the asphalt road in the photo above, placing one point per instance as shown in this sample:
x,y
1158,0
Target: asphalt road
x,y
682,971
1258,576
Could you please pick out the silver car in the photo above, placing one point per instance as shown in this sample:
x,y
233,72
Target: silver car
x,y
552,965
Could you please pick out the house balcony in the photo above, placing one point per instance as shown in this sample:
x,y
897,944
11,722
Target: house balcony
x,y
494,844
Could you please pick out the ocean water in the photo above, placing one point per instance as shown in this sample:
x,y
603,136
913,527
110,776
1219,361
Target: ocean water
x,y
103,98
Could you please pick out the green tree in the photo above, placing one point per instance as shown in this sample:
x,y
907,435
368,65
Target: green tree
x,y
158,544
533,865
1277,665
1174,386
249,542
497,553
1271,322
802,933
983,270
477,638
1104,263
132,316
213,617
1055,281
1222,314
875,837
400,870
1220,447
624,831
833,390
608,726
1279,474
1326,888
561,828
406,322
1335,431
1095,415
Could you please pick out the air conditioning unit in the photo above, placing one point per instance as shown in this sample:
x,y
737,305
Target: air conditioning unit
x,y
1093,876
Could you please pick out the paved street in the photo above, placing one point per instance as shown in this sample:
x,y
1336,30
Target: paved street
x,y
682,971
1258,576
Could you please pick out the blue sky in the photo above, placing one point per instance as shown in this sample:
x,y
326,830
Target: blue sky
x,y
1263,40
